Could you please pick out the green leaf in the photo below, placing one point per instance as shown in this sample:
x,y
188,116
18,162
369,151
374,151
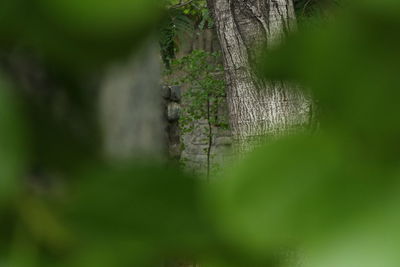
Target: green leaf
x,y
76,37
293,192
149,207
13,143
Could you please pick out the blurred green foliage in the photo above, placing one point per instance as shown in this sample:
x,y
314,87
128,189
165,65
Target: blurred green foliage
x,y
63,31
330,197
314,8
13,142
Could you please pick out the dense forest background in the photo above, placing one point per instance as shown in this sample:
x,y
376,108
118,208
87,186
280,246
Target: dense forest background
x,y
199,133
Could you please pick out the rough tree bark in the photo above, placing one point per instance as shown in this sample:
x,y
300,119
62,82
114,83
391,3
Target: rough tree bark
x,y
257,108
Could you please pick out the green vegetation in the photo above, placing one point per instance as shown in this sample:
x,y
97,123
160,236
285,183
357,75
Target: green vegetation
x,y
182,19
205,94
331,197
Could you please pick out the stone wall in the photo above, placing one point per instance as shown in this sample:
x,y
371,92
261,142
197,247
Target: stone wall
x,y
172,109
192,148
199,150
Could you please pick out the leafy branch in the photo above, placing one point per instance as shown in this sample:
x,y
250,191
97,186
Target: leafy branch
x,y
205,93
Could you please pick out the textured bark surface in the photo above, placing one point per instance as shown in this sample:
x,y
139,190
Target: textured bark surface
x,y
257,108
131,112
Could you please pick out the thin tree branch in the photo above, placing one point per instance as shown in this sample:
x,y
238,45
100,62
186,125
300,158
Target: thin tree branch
x,y
182,4
305,6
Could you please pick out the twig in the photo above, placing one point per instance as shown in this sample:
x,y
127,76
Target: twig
x,y
182,4
305,6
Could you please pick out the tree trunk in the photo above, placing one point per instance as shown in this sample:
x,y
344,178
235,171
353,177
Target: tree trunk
x,y
257,108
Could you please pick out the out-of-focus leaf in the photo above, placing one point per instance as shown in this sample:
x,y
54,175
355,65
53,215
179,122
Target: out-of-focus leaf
x,y
122,253
13,149
351,65
43,225
105,18
374,240
21,245
148,209
58,145
295,191
77,36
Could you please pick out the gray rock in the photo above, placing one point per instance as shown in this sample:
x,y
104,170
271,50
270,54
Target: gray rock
x,y
196,149
175,151
175,93
173,111
166,92
223,141
198,158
